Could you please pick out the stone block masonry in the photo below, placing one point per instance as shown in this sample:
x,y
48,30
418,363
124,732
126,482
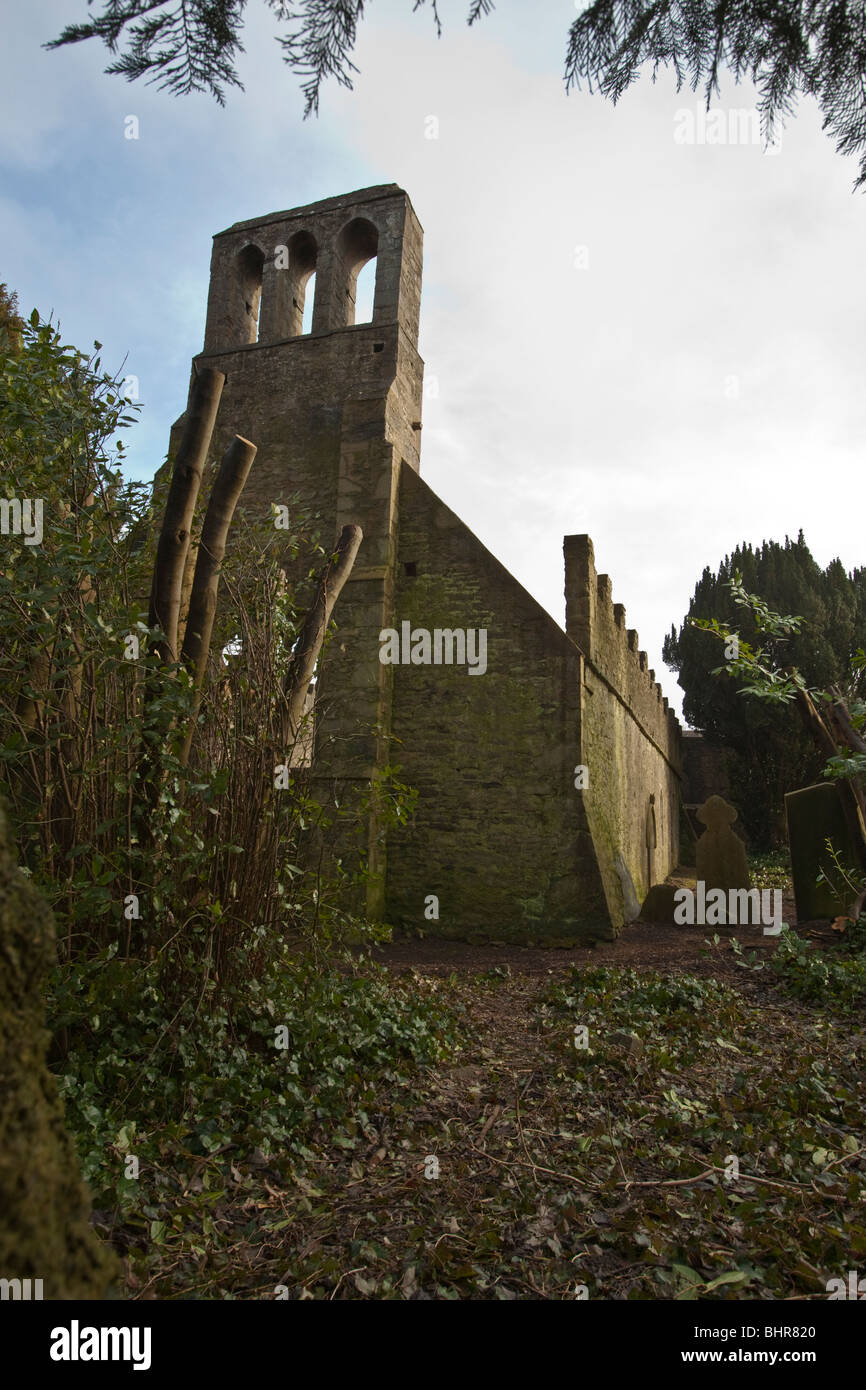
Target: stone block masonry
x,y
509,840
501,835
630,739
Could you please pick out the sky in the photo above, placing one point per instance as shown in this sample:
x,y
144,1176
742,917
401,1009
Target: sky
x,y
636,322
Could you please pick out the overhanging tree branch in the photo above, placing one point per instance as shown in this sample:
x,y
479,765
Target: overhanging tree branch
x,y
788,48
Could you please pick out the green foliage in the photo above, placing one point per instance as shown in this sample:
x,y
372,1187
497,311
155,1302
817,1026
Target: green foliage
x,y
840,878
669,1010
835,980
810,47
186,47
211,1076
65,605
11,323
771,870
193,922
656,1131
87,721
850,764
748,664
770,752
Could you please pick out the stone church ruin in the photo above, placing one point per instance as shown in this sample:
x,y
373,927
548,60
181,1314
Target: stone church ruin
x,y
537,776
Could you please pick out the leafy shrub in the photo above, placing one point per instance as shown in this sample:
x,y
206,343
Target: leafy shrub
x,y
192,927
210,1078
820,976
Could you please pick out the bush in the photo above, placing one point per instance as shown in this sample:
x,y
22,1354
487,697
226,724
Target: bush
x,y
255,1068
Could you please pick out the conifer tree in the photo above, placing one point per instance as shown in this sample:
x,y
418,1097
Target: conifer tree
x,y
771,753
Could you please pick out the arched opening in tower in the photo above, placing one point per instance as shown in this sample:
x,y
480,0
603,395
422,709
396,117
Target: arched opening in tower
x,y
250,266
303,257
358,247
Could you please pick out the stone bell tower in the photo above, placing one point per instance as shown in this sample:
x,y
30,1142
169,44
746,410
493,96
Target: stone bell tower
x,y
334,412
548,781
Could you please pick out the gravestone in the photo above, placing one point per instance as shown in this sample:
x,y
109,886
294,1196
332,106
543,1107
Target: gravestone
x,y
720,855
814,816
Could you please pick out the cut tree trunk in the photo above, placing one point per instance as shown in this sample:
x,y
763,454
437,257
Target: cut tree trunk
x,y
299,672
306,653
228,486
173,545
168,570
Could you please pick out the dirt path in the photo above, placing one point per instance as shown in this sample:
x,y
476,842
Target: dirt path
x,y
528,1169
575,1141
642,945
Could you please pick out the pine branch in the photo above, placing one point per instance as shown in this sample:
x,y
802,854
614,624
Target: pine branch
x,y
191,46
320,44
787,48
814,47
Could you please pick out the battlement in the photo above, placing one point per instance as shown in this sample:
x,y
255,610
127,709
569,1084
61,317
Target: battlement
x,y
597,625
261,269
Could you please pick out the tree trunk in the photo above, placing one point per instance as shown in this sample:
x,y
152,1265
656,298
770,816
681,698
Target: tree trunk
x,y
173,545
171,552
228,486
300,671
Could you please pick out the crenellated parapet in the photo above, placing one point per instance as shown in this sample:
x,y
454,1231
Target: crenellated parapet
x,y
598,626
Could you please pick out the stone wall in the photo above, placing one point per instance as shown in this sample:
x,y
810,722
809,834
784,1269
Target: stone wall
x,y
631,740
500,835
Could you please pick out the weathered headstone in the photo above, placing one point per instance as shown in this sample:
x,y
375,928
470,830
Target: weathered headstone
x,y
45,1232
814,816
720,855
